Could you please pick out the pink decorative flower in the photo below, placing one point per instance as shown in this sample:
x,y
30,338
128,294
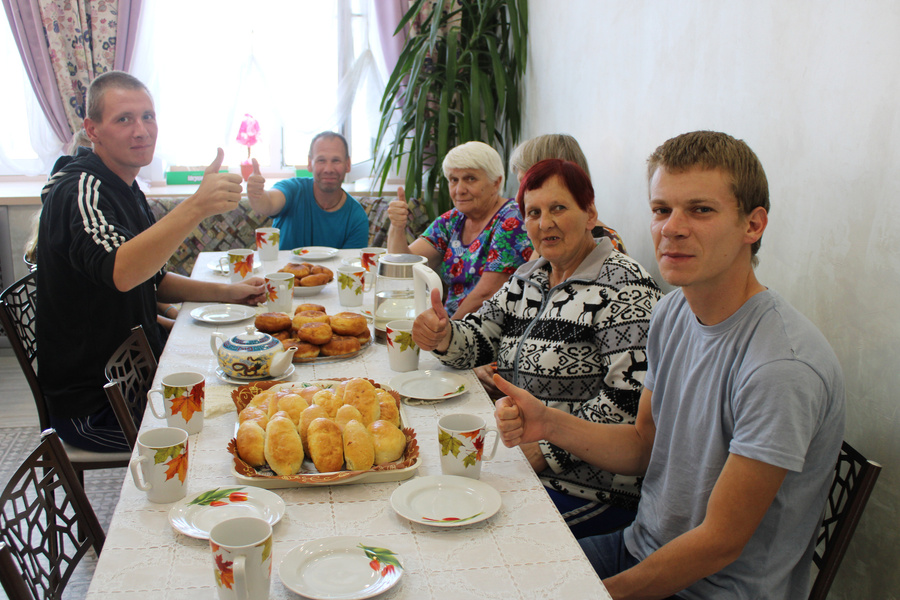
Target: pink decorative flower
x,y
247,135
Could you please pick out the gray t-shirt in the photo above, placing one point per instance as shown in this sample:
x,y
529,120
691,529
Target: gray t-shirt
x,y
763,384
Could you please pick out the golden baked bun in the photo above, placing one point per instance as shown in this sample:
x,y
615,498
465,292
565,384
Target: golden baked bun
x,y
319,279
345,414
272,322
261,400
306,417
326,446
359,447
305,350
284,450
390,442
309,316
348,323
361,394
390,412
340,344
308,392
293,404
297,270
315,333
300,308
251,443
327,400
254,413
365,336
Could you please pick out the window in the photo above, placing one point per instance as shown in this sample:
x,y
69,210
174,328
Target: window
x,y
299,67
25,127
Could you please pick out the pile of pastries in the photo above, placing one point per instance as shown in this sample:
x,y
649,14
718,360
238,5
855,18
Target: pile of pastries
x,y
308,274
315,333
353,425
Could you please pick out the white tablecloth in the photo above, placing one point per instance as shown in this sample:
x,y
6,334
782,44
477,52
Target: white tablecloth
x,y
523,551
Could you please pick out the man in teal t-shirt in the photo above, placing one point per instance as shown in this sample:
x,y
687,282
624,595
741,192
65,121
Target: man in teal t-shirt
x,y
317,211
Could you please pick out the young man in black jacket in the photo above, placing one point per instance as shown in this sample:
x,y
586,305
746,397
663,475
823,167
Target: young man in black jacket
x,y
103,256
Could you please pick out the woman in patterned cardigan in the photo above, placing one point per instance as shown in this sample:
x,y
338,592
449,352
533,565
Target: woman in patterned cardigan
x,y
570,328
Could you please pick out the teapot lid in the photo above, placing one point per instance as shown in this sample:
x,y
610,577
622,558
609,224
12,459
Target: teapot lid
x,y
399,265
251,341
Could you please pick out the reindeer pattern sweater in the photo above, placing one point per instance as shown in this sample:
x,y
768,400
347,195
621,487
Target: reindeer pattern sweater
x,y
578,346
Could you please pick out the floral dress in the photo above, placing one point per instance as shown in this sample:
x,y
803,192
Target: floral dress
x,y
501,247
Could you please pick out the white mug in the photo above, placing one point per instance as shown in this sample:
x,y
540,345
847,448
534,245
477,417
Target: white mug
x,y
182,400
238,264
368,258
351,282
403,352
161,466
242,558
268,240
461,438
279,292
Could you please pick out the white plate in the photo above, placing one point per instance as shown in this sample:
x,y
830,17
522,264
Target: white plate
x,y
236,381
339,568
301,291
313,253
445,501
429,385
217,267
223,313
196,516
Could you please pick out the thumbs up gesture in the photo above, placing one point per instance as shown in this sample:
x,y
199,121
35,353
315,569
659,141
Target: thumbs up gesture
x,y
431,329
398,212
256,183
521,418
218,192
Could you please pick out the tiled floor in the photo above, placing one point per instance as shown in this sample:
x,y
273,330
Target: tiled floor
x,y
16,402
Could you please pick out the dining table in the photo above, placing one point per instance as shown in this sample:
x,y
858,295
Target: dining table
x,y
523,550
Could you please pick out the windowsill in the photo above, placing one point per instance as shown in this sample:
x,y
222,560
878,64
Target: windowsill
x,y
24,193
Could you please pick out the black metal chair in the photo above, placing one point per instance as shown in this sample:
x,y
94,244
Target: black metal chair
x,y
130,372
854,479
47,524
18,319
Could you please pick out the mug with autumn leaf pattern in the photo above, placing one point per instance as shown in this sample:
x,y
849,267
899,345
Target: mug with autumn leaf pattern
x,y
403,352
461,437
182,400
238,264
268,240
242,558
161,465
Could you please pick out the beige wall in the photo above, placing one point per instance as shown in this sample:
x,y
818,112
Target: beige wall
x,y
814,88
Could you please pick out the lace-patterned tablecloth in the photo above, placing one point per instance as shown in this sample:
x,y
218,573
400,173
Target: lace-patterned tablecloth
x,y
523,551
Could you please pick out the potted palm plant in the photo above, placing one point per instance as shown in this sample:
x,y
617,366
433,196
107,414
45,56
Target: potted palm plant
x,y
457,79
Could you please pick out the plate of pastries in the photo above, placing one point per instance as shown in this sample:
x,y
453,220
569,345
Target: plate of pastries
x,y
323,432
318,336
309,279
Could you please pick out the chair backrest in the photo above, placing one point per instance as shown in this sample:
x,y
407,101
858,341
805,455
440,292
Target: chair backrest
x,y
130,371
18,305
854,478
46,523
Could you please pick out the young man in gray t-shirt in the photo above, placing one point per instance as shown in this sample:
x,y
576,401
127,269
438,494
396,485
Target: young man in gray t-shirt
x,y
742,414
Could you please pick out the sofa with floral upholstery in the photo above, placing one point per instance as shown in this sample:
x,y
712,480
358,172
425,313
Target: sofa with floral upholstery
x,y
235,229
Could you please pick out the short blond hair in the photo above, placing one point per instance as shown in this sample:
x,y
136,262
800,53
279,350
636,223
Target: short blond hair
x,y
551,145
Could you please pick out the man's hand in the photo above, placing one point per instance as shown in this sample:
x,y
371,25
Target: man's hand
x,y
218,192
398,212
256,184
521,418
431,330
251,291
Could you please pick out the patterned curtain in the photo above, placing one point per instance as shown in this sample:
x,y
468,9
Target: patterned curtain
x,y
81,35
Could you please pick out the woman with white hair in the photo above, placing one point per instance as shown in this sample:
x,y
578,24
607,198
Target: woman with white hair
x,y
476,245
